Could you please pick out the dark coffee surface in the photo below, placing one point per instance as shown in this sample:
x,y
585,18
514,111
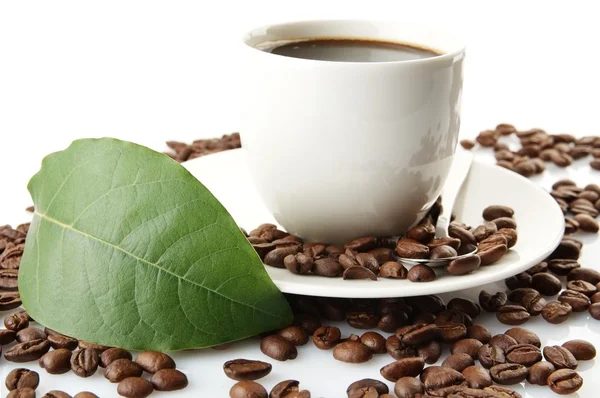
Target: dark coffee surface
x,y
350,50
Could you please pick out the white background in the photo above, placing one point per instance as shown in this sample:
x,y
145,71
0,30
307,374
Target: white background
x,y
151,71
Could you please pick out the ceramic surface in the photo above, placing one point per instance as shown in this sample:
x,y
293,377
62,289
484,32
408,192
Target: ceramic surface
x,y
339,150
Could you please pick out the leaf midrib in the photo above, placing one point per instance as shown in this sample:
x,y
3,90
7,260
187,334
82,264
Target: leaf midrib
x,y
87,235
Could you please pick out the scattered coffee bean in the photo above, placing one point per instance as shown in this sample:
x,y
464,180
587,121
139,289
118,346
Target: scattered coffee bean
x,y
326,337
517,295
397,349
479,332
564,381
374,341
546,283
112,354
56,394
539,372
294,334
288,388
477,377
523,354
560,357
382,254
581,286
556,312
490,355
352,352
463,266
91,346
503,341
524,336
492,303
493,212
585,274
298,263
508,373
594,299
22,378
22,393
408,387
521,280
358,272
9,279
417,334
136,387
278,348
453,316
362,319
505,222
153,361
379,386
29,334
85,394
458,362
510,234
122,368
579,302
17,321
245,369
512,315
84,362
539,267
582,350
402,368
29,351
9,301
167,379
7,336
587,223
438,377
450,332
562,267
421,273
327,267
58,340
56,361
467,144
409,248
467,346
390,322
394,270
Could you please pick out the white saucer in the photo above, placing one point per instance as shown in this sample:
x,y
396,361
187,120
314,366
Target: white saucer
x,y
540,227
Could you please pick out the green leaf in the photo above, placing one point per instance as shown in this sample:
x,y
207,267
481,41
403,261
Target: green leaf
x,y
128,249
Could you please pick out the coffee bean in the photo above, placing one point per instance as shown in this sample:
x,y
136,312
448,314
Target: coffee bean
x,y
22,378
450,332
153,361
465,265
245,369
352,352
362,319
505,222
368,261
490,355
571,225
394,270
546,283
380,387
417,334
556,312
582,350
382,254
358,272
390,322
84,362
480,333
85,394
56,362
429,303
447,241
539,372
276,256
442,252
430,352
484,231
409,248
7,336
510,234
327,267
524,336
477,377
137,387
579,302
467,144
122,368
508,373
29,351
560,357
453,316
533,303
585,274
581,286
492,254
517,295
562,267
29,334
594,299
22,393
494,240
408,387
487,138
512,315
587,223
421,273
9,279
566,249
91,346
493,212
397,349
492,303
112,354
564,381
423,232
402,368
374,341
17,321
363,244
167,379
464,305
326,337
58,340
518,281
523,354
503,341
539,267
298,263
458,362
438,377
278,348
467,346
465,236
56,394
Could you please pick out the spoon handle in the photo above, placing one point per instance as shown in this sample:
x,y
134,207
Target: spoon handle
x,y
456,177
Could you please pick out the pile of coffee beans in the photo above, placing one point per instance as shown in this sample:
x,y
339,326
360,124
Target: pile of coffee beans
x,y
415,332
537,147
184,152
369,257
581,206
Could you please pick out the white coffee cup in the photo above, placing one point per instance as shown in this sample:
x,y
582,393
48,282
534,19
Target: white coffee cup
x,y
339,150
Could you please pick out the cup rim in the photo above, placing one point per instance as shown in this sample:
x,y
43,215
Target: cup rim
x,y
457,49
